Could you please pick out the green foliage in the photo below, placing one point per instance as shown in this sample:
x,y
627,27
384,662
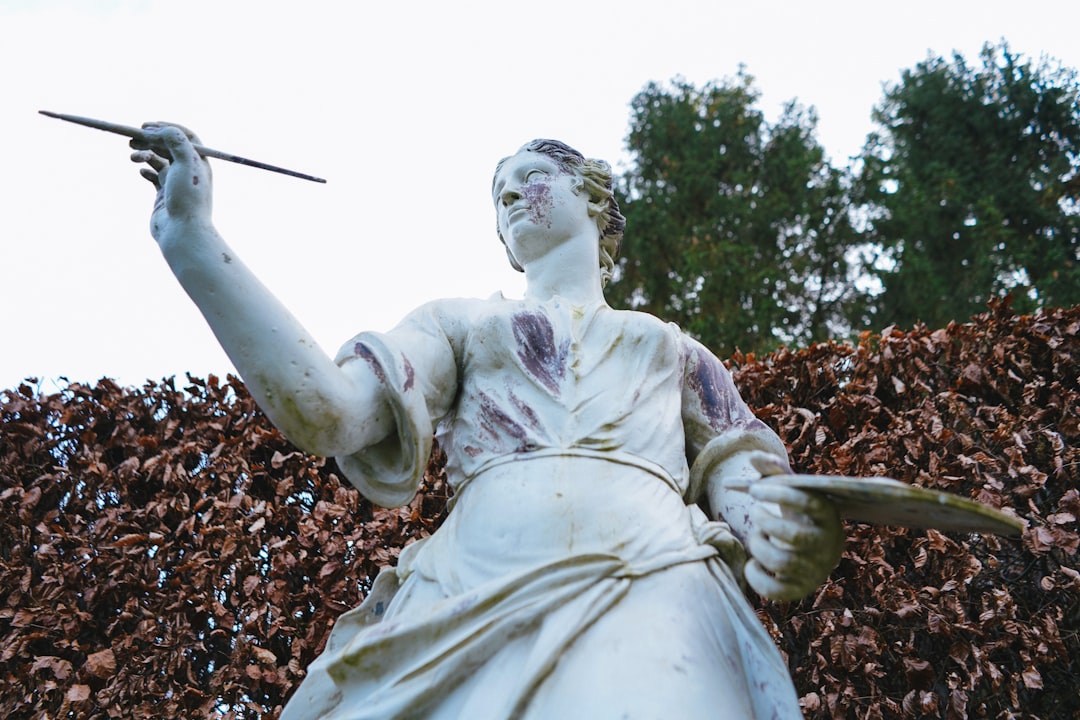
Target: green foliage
x,y
737,229
971,187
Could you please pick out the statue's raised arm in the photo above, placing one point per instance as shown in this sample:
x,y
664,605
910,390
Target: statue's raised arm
x,y
323,408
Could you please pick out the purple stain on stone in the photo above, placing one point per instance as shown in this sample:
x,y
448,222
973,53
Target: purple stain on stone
x,y
714,388
720,399
361,351
537,351
498,424
410,374
527,412
538,202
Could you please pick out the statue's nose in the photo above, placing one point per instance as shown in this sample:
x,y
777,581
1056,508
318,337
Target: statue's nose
x,y
509,197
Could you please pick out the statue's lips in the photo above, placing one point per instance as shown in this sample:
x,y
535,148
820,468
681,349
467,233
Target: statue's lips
x,y
516,211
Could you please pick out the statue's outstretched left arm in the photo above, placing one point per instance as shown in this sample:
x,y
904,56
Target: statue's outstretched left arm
x,y
793,538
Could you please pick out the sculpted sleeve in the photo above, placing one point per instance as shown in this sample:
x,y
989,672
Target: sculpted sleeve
x,y
716,421
416,364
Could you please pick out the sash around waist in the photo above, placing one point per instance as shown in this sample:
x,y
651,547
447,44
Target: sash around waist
x,y
539,508
613,456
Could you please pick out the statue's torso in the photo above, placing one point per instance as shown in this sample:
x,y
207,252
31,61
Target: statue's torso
x,y
549,378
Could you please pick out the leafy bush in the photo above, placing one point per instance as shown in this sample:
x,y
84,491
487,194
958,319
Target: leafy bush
x,y
164,552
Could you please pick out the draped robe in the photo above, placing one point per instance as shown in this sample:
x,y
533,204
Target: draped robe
x,y
575,575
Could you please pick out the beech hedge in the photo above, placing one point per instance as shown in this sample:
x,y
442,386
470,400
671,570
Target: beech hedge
x,y
165,552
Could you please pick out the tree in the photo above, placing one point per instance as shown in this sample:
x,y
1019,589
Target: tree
x,y
971,187
736,229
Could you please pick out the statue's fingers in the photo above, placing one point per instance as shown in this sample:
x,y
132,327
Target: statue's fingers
x,y
790,498
788,568
190,134
151,158
171,139
813,507
768,554
768,464
151,176
792,528
760,580
773,587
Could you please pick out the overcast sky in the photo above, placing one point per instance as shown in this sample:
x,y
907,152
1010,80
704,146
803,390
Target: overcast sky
x,y
405,108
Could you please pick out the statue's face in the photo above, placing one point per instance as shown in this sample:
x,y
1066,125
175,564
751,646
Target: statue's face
x,y
539,206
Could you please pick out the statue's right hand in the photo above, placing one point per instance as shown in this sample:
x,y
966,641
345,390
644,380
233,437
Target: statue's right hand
x,y
181,176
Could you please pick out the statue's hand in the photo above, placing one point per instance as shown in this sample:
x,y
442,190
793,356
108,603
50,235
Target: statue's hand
x,y
792,551
182,179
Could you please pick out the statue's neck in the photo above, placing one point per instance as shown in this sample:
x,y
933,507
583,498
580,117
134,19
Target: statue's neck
x,y
573,276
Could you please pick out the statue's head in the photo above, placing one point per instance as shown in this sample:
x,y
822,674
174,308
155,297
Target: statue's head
x,y
597,181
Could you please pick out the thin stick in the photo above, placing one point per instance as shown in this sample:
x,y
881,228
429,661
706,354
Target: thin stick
x,y
138,134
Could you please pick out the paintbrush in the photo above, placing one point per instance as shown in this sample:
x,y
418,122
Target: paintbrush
x,y
133,132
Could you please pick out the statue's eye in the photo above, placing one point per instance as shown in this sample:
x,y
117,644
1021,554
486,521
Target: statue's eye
x,y
532,174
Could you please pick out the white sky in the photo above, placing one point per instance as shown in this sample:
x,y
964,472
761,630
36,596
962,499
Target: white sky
x,y
404,107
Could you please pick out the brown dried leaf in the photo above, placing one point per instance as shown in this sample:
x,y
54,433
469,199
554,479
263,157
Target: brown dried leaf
x,y
56,666
101,664
263,655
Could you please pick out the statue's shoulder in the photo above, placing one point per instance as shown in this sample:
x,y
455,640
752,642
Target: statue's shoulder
x,y
457,317
452,309
647,322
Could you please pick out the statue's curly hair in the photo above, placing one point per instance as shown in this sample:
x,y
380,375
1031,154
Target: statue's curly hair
x,y
599,182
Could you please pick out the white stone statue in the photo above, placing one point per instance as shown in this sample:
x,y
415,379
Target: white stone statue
x,y
577,574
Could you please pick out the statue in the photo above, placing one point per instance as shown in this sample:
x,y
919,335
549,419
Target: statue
x,y
613,493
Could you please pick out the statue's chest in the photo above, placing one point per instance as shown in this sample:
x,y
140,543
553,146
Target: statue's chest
x,y
561,348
